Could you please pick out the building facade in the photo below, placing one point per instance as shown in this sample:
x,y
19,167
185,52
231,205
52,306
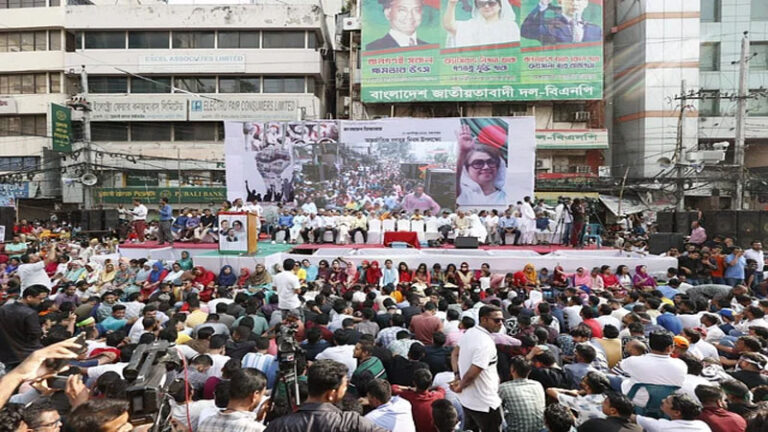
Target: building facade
x,y
668,55
161,79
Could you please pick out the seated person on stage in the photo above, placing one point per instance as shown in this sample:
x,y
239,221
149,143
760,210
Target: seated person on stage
x,y
508,224
445,225
359,224
463,224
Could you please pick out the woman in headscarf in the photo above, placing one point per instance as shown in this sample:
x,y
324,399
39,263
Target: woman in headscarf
x,y
527,278
123,277
404,273
154,279
227,277
186,261
373,274
260,277
143,274
559,278
421,275
204,281
642,280
242,280
323,271
75,273
174,275
337,275
107,275
93,270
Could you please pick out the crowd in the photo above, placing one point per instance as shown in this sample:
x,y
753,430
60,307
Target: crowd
x,y
385,347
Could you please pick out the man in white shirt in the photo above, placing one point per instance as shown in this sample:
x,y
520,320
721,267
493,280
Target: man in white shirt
x,y
216,353
474,362
528,222
711,325
756,253
657,367
327,223
393,413
32,270
682,410
288,287
445,225
343,352
139,213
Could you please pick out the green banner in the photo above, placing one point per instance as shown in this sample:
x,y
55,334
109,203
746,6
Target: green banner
x,y
481,50
61,128
153,194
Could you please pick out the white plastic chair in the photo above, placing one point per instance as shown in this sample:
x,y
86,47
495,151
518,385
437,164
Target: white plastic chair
x,y
374,231
403,225
388,225
418,226
431,232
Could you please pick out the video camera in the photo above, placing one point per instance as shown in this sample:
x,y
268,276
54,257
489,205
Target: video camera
x,y
288,350
148,382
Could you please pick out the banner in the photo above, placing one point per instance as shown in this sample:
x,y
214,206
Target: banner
x,y
390,164
148,108
61,128
153,194
482,50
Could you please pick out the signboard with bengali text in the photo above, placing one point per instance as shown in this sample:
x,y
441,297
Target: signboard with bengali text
x,y
153,194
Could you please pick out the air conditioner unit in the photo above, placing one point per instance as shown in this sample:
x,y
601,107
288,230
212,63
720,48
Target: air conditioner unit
x,y
543,163
581,116
350,24
519,113
705,156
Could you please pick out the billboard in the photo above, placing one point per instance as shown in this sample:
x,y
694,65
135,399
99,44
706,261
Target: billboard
x,y
392,164
481,50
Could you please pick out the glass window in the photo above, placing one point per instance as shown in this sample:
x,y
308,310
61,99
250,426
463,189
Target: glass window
x,y
55,82
192,131
196,84
104,40
759,11
107,84
709,57
41,83
41,40
201,39
54,40
14,42
312,41
564,112
760,60
27,41
3,42
757,106
710,10
283,39
239,85
14,84
18,163
28,125
283,85
238,39
310,85
150,131
109,131
709,105
157,85
148,39
28,84
4,85
54,2
79,40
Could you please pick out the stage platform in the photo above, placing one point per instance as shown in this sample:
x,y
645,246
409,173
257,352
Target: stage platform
x,y
541,249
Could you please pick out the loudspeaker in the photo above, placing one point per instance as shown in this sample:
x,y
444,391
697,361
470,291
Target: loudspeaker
x,y
441,186
749,227
466,243
665,221
110,219
662,242
683,221
8,218
722,222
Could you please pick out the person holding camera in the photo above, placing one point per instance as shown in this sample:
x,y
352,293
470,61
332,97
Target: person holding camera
x,y
578,213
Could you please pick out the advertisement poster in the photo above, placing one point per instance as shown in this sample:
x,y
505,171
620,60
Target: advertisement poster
x,y
408,163
481,50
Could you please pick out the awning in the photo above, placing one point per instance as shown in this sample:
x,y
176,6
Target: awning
x,y
629,205
564,139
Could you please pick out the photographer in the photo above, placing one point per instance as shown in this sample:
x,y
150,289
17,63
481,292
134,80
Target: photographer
x,y
578,213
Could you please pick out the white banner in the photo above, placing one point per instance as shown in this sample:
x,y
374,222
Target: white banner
x,y
152,108
245,108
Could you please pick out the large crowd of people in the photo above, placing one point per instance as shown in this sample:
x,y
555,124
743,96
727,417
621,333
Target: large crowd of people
x,y
381,346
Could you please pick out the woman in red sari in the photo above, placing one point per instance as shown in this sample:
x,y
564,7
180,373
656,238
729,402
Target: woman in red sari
x,y
204,281
373,274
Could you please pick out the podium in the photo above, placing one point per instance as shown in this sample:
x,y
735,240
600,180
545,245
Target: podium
x,y
238,233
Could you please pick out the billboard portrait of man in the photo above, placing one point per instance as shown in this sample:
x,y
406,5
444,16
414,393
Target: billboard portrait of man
x,y
404,18
563,23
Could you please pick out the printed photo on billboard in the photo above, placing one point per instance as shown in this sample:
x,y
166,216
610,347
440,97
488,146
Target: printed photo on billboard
x,y
471,50
233,233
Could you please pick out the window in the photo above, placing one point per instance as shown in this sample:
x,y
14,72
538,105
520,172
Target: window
x,y
157,85
283,85
196,84
239,85
13,4
203,39
150,131
501,110
310,85
193,131
41,40
757,106
238,39
283,39
312,41
19,163
10,84
709,105
28,84
107,84
148,40
54,40
565,112
759,12
24,125
41,83
709,57
710,10
104,40
109,131
27,41
55,82
760,60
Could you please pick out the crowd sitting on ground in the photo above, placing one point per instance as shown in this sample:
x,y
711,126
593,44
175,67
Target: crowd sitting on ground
x,y
386,347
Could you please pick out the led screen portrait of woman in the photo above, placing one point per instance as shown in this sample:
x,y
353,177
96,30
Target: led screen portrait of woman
x,y
481,168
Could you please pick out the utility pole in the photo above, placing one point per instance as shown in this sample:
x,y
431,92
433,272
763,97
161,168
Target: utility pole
x,y
741,117
680,189
87,195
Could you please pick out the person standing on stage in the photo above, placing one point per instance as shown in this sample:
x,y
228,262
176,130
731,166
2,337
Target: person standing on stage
x,y
578,214
139,213
528,222
166,219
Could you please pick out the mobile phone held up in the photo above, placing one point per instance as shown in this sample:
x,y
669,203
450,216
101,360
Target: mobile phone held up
x,y
57,364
